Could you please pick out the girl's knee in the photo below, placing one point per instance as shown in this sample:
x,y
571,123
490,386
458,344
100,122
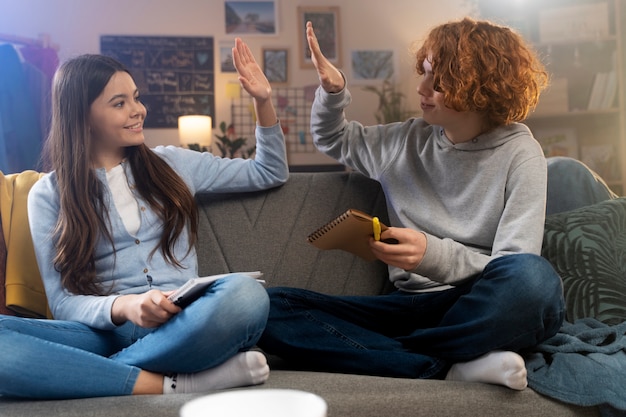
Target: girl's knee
x,y
246,298
9,322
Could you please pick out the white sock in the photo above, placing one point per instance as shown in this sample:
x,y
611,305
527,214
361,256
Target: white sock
x,y
245,368
497,367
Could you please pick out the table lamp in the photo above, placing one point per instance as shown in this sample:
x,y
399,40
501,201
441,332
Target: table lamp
x,y
195,132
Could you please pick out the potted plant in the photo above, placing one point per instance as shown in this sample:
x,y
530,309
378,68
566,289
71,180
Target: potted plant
x,y
391,106
231,146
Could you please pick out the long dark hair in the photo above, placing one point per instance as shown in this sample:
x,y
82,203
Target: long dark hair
x,y
83,216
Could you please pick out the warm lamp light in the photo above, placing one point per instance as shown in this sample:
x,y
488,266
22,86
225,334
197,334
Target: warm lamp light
x,y
195,131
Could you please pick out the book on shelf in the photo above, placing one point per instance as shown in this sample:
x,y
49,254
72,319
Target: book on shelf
x,y
604,91
558,141
610,91
595,98
194,287
350,232
604,88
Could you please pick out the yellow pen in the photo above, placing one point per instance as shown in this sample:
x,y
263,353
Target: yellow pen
x,y
376,226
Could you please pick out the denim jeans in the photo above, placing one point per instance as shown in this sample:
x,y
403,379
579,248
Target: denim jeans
x,y
517,302
56,359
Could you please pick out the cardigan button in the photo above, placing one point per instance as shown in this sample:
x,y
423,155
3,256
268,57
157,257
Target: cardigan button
x,y
137,241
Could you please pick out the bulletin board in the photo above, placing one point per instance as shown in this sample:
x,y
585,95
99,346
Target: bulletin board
x,y
293,107
175,75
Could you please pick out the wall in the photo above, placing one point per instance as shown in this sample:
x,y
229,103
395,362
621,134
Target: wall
x,y
76,26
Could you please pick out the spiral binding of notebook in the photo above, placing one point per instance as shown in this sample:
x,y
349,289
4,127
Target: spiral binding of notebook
x,y
328,226
351,232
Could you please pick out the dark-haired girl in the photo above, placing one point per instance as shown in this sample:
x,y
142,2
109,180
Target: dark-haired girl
x,y
114,226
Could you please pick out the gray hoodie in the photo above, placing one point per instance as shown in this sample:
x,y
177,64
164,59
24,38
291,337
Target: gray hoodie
x,y
474,201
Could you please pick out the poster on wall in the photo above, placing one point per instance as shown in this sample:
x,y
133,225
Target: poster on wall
x,y
251,17
372,65
325,22
174,74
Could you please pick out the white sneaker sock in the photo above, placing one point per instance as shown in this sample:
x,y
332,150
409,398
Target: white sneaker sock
x,y
497,367
246,368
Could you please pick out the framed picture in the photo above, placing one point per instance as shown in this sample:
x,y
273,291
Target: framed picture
x,y
558,141
275,65
226,57
372,65
251,17
326,25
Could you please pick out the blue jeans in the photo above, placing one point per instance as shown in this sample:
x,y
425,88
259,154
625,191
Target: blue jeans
x,y
56,359
517,302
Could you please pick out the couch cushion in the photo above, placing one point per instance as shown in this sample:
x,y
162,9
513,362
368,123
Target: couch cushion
x,y
587,247
272,227
346,395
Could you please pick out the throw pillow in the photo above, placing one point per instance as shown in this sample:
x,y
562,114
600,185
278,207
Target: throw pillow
x,y
587,247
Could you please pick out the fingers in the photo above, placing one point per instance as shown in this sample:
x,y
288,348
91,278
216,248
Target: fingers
x,y
149,309
407,252
314,45
317,57
156,309
251,76
242,54
330,78
165,304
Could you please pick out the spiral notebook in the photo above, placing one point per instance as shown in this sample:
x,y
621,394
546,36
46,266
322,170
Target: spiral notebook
x,y
349,232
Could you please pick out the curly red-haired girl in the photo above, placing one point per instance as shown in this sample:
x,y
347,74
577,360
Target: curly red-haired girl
x,y
465,186
484,68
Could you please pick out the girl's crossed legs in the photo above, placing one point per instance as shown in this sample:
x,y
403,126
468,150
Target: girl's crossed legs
x,y
59,359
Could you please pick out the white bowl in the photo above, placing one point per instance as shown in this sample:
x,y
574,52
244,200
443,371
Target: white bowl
x,y
256,403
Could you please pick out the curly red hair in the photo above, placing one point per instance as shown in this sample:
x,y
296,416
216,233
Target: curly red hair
x,y
482,67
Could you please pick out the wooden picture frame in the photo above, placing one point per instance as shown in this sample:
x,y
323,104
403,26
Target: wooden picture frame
x,y
276,65
372,65
251,17
226,57
326,26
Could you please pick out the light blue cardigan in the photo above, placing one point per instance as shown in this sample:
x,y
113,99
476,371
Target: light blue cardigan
x,y
125,267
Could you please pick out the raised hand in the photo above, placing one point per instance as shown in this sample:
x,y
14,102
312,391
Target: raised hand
x,y
254,81
251,75
331,79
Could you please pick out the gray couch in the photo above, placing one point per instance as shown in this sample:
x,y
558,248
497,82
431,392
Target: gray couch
x,y
267,231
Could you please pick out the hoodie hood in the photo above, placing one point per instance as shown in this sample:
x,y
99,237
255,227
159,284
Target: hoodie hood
x,y
492,139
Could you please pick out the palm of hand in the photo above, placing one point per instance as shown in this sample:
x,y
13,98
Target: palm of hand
x,y
258,86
